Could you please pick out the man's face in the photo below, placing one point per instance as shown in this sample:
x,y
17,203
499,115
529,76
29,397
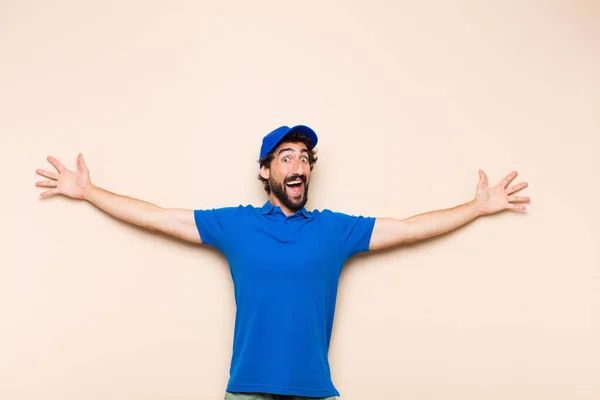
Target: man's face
x,y
289,175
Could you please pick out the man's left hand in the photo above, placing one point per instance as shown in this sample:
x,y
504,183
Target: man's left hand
x,y
490,200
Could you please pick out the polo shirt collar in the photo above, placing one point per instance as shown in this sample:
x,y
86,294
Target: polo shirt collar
x,y
267,208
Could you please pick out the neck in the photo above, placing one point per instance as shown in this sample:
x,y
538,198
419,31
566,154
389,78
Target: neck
x,y
275,201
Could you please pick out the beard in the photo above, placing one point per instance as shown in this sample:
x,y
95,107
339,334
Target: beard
x,y
294,203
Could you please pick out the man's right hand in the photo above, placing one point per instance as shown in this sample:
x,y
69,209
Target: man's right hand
x,y
69,183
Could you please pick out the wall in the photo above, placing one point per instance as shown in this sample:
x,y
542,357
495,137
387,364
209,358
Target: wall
x,y
168,102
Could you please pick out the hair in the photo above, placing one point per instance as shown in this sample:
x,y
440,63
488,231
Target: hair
x,y
293,137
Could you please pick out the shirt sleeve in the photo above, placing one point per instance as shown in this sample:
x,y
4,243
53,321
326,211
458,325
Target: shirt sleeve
x,y
216,225
354,232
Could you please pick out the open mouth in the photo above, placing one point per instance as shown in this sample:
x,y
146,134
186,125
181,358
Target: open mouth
x,y
296,187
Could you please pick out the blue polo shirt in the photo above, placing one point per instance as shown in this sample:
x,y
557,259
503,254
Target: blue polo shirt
x,y
285,272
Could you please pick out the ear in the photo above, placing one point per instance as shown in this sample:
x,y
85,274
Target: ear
x,y
265,172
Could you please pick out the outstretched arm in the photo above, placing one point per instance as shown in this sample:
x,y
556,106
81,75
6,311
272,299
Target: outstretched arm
x,y
77,185
488,200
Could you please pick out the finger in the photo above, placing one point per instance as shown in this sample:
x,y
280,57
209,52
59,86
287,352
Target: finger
x,y
482,178
518,198
46,183
56,163
47,174
81,163
49,193
517,207
508,178
513,189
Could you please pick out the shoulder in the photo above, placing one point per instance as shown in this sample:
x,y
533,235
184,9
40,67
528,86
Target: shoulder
x,y
238,211
331,217
327,213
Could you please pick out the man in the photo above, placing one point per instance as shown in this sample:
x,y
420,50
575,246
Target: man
x,y
285,261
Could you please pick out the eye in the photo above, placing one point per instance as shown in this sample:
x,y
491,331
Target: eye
x,y
285,159
304,159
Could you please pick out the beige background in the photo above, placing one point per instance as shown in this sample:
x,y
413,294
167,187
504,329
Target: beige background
x,y
168,102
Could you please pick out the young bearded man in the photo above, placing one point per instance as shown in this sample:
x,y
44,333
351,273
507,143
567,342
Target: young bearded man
x,y
285,261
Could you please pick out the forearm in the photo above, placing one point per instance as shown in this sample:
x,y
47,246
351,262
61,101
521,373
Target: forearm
x,y
433,223
125,208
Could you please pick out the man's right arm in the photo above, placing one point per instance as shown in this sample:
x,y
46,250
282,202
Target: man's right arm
x,y
77,185
176,222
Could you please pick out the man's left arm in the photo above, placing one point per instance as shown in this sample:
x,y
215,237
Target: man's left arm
x,y
389,232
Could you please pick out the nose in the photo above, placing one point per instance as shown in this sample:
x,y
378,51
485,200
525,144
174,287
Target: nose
x,y
297,168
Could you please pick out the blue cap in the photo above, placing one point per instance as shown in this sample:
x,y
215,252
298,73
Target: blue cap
x,y
270,141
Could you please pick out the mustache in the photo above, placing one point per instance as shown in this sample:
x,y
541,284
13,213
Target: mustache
x,y
292,178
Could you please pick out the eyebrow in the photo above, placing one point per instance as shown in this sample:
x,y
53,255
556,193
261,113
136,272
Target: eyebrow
x,y
290,149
